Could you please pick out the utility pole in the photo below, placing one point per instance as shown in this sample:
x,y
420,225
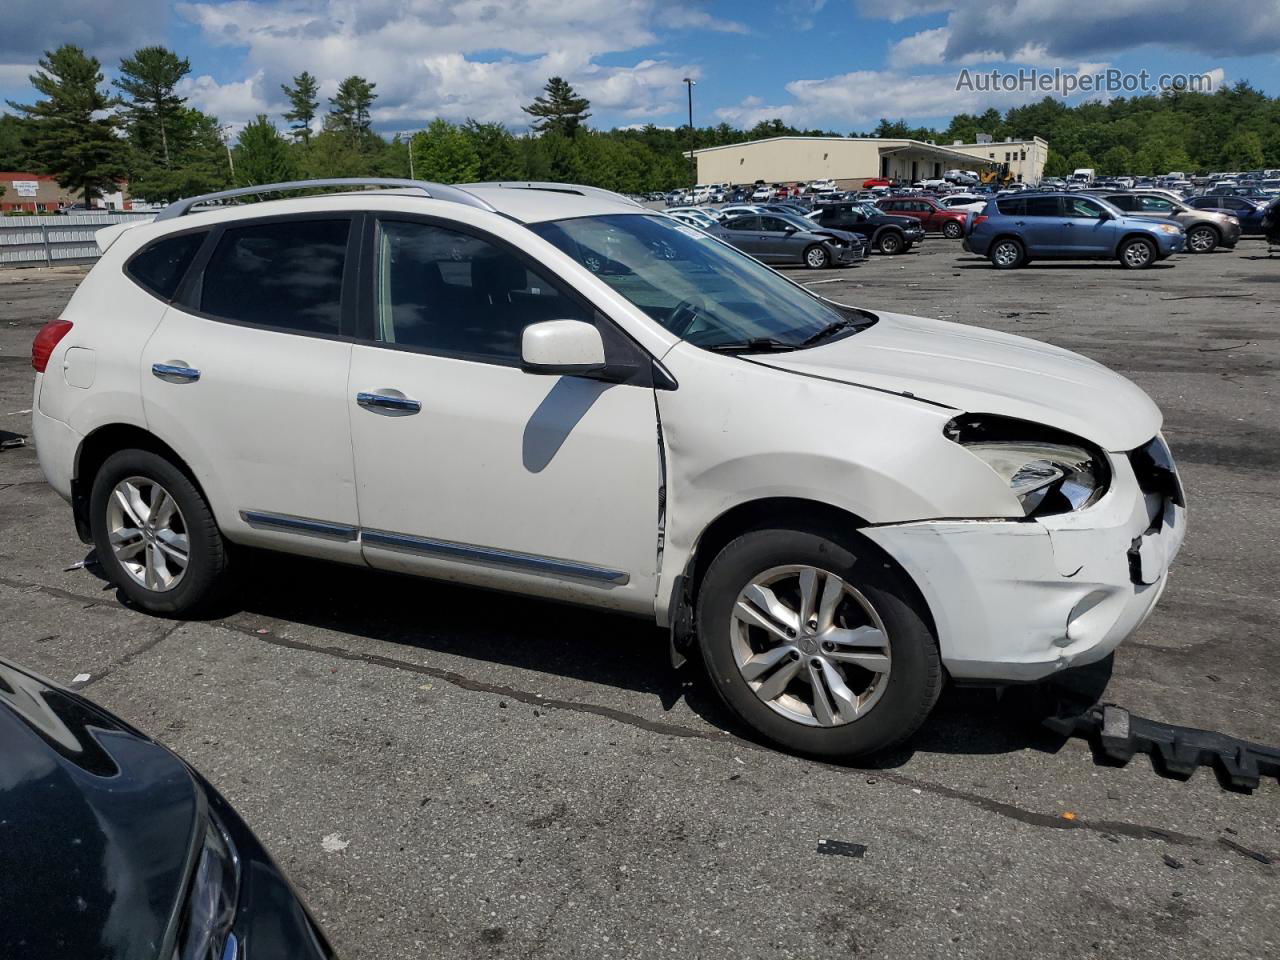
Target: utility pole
x,y
693,161
411,176
222,130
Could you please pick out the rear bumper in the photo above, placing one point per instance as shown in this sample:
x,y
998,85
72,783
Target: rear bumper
x,y
1021,600
56,447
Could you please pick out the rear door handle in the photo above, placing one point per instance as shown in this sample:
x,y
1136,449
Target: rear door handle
x,y
386,401
175,372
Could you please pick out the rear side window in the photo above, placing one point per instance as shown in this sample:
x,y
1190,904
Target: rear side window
x,y
160,267
286,273
1043,207
1012,207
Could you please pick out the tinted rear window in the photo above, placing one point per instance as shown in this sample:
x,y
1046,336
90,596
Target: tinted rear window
x,y
282,274
1012,206
161,266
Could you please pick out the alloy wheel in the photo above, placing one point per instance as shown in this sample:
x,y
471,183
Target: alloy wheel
x,y
810,646
148,533
1201,240
1006,254
1137,254
816,258
952,231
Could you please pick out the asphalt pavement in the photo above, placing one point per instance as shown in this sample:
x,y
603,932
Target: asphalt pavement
x,y
445,772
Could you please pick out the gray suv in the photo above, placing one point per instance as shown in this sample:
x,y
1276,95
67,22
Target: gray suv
x,y
1206,230
777,239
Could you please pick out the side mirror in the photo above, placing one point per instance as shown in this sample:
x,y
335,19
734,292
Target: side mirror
x,y
789,230
1107,215
569,347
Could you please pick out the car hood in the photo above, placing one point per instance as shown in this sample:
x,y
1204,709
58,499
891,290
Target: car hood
x,y
100,821
984,371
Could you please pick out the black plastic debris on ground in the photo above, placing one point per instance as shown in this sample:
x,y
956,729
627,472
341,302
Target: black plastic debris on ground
x,y
841,848
1176,750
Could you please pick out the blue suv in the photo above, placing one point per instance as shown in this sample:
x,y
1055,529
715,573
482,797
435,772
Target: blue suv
x,y
1013,231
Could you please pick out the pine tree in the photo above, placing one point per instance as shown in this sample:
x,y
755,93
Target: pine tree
x,y
350,110
149,78
71,135
303,95
561,111
262,155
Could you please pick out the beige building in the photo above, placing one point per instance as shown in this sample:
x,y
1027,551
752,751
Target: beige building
x,y
851,160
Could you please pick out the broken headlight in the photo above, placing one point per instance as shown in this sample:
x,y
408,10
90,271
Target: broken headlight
x,y
1049,471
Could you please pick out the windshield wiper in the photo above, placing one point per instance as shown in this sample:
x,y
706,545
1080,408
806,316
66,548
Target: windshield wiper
x,y
753,345
829,331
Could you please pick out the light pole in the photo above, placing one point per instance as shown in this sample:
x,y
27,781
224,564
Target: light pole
x,y
693,162
222,130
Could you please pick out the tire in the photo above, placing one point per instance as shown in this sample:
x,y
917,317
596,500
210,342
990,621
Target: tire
x,y
890,243
886,706
1007,254
952,230
189,585
1202,239
816,257
1137,254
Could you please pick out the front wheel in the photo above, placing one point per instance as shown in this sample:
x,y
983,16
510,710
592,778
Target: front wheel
x,y
154,534
816,257
1137,254
889,244
819,646
952,230
1202,240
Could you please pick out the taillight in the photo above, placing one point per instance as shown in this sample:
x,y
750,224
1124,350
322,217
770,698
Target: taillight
x,y
980,218
48,338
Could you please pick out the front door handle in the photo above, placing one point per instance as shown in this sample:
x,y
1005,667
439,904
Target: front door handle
x,y
175,372
386,401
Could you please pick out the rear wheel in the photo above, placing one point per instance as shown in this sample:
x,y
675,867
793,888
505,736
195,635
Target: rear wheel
x,y
1137,254
952,230
819,646
154,533
816,257
1007,254
890,243
1202,239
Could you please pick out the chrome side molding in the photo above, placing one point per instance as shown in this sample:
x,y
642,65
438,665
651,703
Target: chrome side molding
x,y
492,557
442,549
304,525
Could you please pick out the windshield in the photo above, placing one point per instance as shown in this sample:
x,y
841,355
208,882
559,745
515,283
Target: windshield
x,y
700,289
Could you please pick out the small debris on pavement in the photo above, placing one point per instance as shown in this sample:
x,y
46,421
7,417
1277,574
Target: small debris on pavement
x,y
841,848
333,843
262,631
81,678
1172,862
1068,815
13,442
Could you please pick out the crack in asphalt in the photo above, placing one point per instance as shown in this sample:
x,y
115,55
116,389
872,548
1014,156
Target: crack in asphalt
x,y
1112,828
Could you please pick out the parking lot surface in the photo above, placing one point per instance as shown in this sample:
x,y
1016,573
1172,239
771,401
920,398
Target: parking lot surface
x,y
445,772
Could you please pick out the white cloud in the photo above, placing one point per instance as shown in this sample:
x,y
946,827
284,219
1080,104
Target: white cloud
x,y
14,75
236,102
103,30
437,57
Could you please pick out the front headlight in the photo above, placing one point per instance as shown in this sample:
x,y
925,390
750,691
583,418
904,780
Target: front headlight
x,y
1049,471
211,902
1234,221
1170,228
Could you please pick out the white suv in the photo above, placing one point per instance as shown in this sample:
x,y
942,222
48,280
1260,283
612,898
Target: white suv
x,y
550,390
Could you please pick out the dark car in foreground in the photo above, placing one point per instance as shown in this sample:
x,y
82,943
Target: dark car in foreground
x,y
777,238
884,232
111,846
1014,230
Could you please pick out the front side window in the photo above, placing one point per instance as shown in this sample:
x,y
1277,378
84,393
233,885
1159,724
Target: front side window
x,y
743,223
1155,204
697,287
773,225
444,291
160,267
284,273
1082,209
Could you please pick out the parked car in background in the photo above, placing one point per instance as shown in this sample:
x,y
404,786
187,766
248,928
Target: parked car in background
x,y
1013,231
964,202
788,239
932,215
692,216
114,847
560,394
1255,193
884,232
1247,211
1206,230
762,193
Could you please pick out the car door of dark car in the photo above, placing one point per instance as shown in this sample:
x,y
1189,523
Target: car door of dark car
x,y
847,218
778,241
743,233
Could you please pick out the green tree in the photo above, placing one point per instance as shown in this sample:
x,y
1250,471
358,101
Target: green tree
x,y
1243,151
1055,165
72,134
13,146
561,111
350,113
149,79
1116,161
262,155
444,153
304,98
1080,160
496,151
200,163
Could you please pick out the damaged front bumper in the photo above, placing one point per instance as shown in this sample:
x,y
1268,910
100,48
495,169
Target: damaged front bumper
x,y
1019,600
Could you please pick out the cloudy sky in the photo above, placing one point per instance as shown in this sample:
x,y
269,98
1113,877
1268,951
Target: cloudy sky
x,y
839,64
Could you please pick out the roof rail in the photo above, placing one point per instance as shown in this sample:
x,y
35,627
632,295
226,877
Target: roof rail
x,y
550,187
436,191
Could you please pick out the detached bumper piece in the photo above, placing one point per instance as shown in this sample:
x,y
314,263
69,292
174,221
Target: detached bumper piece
x,y
1177,750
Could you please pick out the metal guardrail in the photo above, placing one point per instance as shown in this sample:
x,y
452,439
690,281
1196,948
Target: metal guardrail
x,y
44,241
